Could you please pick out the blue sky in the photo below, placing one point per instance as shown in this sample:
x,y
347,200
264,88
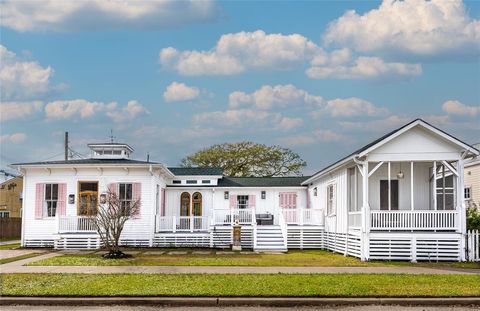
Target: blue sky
x,y
319,77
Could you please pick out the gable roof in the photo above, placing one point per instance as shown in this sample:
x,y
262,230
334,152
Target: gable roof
x,y
387,137
196,171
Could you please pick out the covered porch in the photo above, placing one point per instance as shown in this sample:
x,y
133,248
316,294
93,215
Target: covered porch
x,y
404,195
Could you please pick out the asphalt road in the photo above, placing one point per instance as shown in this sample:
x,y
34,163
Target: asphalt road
x,y
139,308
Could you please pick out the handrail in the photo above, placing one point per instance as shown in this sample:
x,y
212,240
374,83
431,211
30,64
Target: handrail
x,y
283,228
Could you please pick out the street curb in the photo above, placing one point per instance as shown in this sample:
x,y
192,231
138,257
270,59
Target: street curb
x,y
235,301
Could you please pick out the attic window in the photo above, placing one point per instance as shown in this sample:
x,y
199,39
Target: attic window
x,y
205,181
191,182
177,182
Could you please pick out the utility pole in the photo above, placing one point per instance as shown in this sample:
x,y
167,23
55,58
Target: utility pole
x,y
66,146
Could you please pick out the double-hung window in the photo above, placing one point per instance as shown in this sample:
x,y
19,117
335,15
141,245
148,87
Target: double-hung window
x,y
242,201
51,200
331,199
467,194
125,197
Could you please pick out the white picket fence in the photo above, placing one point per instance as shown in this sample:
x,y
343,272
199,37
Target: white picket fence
x,y
473,245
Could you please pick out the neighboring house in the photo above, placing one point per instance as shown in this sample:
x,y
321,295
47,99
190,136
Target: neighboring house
x,y
11,197
472,181
380,202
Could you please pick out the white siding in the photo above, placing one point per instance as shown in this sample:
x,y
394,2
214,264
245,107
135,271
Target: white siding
x,y
46,228
338,221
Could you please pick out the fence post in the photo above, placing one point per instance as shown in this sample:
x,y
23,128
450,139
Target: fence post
x,y
174,224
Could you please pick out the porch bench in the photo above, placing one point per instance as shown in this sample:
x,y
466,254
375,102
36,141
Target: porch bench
x,y
264,219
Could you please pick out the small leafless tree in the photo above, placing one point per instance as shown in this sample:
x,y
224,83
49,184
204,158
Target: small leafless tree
x,y
111,216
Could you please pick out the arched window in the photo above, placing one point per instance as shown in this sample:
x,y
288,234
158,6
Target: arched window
x,y
197,204
185,204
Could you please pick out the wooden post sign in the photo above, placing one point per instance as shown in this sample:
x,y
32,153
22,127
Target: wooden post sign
x,y
237,233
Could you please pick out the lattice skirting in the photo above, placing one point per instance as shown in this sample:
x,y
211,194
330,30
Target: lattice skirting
x,y
77,243
415,248
304,237
39,242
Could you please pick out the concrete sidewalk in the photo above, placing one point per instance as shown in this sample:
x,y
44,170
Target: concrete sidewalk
x,y
19,267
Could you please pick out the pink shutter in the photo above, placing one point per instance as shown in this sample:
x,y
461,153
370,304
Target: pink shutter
x,y
293,202
39,201
233,201
251,201
61,204
113,188
164,200
137,197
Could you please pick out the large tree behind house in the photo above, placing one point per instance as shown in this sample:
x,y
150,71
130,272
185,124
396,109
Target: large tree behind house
x,y
248,159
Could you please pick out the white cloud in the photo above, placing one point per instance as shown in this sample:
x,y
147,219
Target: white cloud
x,y
22,80
247,119
352,107
319,135
379,125
236,52
362,68
268,97
96,15
14,138
412,27
129,112
176,92
18,110
458,108
67,109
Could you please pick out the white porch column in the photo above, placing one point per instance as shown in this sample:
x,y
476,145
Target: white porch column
x,y
365,214
461,208
434,185
412,203
389,186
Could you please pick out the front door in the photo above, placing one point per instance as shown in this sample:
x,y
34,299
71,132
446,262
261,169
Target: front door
x,y
87,198
393,195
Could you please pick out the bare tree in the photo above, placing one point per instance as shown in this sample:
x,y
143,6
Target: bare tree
x,y
110,219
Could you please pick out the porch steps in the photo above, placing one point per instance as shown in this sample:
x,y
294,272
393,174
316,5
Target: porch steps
x,y
270,238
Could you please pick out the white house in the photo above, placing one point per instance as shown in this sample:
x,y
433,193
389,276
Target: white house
x,y
380,202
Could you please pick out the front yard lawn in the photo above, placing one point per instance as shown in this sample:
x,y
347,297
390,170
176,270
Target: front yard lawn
x,y
10,246
347,285
24,256
304,258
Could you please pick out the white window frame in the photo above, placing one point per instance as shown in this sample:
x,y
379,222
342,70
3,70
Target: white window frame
x,y
469,190
243,205
125,200
51,201
331,200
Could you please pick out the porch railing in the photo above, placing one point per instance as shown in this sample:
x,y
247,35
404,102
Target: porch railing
x,y
75,224
229,216
302,216
355,219
181,223
413,220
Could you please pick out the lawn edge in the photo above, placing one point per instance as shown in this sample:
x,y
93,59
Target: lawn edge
x,y
239,301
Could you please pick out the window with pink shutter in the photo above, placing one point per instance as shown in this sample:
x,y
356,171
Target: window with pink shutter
x,y
62,194
39,200
288,200
233,201
251,201
164,200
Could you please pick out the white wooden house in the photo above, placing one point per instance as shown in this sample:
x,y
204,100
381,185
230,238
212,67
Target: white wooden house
x,y
400,197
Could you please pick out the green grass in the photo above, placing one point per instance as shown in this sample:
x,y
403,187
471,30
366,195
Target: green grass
x,y
304,258
24,256
10,246
349,285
